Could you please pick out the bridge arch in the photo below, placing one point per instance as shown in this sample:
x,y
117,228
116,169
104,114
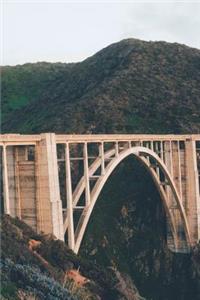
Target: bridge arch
x,y
172,160
144,155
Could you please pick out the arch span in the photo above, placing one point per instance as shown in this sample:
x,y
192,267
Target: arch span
x,y
144,155
175,170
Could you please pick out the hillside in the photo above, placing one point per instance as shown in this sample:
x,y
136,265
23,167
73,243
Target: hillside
x,y
148,86
42,272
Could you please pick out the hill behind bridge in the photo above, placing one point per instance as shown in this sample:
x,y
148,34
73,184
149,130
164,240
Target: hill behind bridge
x,y
129,87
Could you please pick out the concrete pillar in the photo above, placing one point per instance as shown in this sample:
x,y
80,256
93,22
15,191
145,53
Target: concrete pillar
x,y
49,206
101,154
25,184
176,166
167,156
5,182
192,190
86,175
70,216
10,163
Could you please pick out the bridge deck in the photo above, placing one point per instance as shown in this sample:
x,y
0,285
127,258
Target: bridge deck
x,y
24,139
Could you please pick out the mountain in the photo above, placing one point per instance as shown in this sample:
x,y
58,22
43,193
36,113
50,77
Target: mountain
x,y
151,87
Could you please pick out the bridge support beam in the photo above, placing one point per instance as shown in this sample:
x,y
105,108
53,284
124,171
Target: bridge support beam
x,y
49,206
192,190
5,182
70,216
168,160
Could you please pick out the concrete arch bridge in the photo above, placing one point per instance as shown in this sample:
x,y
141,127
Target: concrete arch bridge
x,y
48,178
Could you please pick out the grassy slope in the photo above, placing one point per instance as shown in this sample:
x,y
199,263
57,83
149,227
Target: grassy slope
x,y
26,84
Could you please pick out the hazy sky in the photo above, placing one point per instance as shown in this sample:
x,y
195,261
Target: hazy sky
x,y
70,31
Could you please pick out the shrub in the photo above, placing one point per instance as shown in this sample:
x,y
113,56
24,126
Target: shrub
x,y
31,279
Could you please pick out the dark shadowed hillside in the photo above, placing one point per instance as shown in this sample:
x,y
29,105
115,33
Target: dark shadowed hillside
x,y
42,273
131,86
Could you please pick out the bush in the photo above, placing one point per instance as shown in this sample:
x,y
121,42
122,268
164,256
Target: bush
x,y
31,279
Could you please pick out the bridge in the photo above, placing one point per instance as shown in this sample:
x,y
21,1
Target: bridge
x,y
53,181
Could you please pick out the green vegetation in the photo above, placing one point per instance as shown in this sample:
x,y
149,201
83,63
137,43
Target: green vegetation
x,y
131,86
27,84
31,279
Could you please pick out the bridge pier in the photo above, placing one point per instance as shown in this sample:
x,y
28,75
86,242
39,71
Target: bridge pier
x,y
192,190
31,185
49,206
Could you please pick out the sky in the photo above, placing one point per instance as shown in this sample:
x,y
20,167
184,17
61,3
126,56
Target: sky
x,y
64,31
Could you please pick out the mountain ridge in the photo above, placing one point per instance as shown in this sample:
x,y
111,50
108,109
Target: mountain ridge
x,y
129,81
